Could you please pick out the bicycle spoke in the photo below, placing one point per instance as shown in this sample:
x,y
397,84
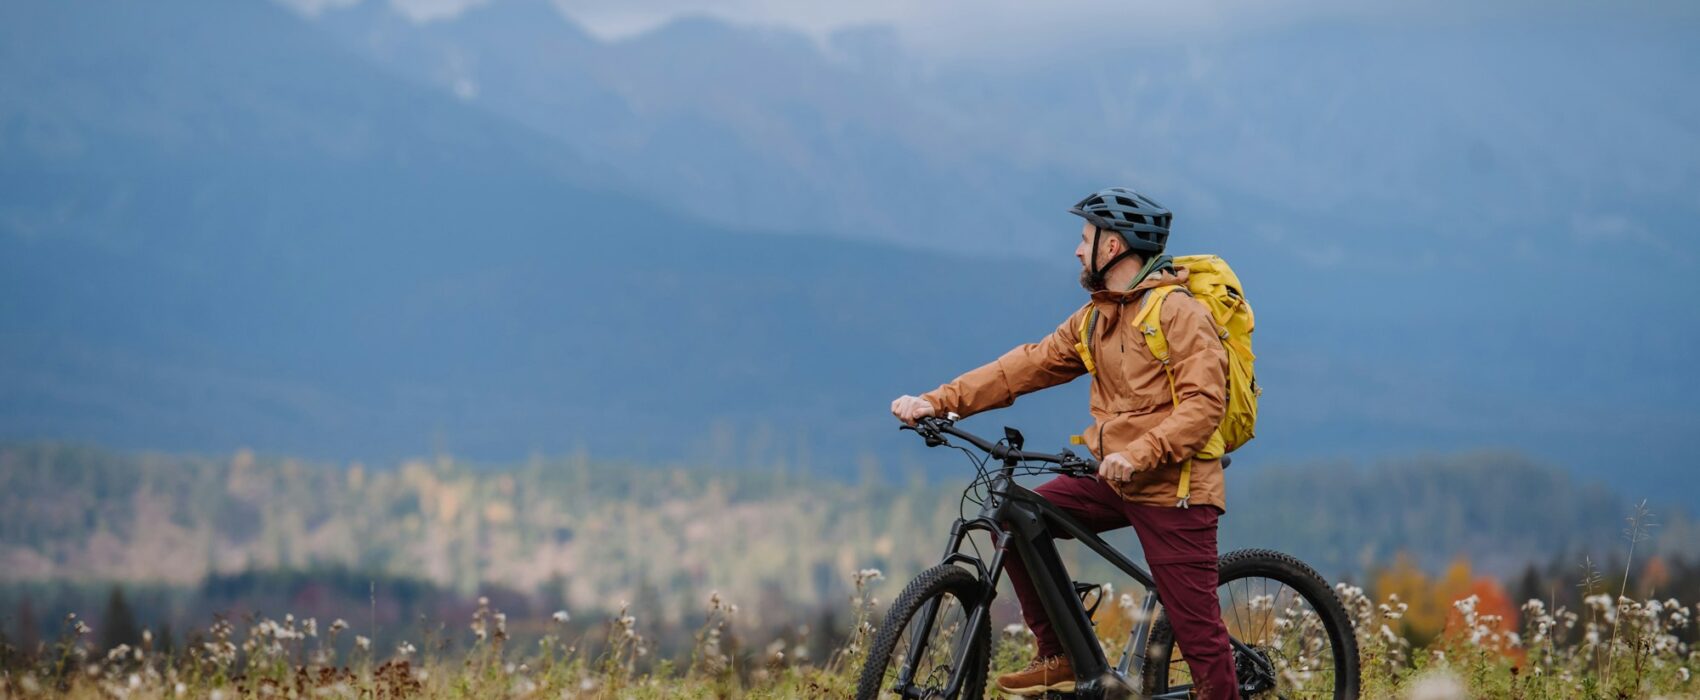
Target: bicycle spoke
x,y
1282,627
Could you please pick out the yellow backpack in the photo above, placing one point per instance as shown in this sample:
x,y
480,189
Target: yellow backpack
x,y
1211,281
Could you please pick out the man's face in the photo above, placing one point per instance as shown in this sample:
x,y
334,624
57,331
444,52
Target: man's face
x,y
1108,248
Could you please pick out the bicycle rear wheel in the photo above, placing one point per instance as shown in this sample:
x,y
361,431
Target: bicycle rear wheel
x,y
1301,643
953,593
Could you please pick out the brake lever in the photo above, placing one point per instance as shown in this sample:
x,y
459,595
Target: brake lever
x,y
928,434
1078,466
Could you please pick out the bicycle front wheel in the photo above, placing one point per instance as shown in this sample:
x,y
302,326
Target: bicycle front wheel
x,y
915,650
1297,640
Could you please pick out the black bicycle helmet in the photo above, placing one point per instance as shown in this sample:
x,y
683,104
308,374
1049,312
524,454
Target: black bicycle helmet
x,y
1142,223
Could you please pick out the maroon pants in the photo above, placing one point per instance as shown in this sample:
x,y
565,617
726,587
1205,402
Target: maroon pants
x,y
1180,547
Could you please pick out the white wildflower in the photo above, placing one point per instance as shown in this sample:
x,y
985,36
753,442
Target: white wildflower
x,y
1438,685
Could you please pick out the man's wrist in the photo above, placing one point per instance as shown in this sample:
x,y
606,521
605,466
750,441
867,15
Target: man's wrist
x,y
933,400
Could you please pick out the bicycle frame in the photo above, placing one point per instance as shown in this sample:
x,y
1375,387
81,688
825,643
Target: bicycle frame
x,y
1016,516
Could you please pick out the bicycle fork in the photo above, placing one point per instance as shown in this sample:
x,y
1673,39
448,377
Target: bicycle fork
x,y
981,609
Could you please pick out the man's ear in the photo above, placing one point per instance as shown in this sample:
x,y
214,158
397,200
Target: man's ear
x,y
1113,246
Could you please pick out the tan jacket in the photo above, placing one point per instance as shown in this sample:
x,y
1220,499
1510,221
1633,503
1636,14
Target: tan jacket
x,y
1132,411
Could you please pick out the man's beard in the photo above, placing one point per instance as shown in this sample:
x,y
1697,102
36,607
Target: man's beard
x,y
1089,281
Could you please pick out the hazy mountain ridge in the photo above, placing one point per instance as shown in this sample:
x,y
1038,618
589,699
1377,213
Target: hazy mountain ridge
x,y
204,245
752,129
1453,132
1373,157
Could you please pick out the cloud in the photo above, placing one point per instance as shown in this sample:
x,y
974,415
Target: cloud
x,y
312,8
1624,234
427,10
416,10
975,29
946,28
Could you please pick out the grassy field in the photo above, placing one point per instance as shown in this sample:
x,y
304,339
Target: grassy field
x,y
1626,649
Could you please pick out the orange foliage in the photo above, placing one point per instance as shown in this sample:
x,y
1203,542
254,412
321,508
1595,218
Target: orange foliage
x,y
1655,577
1494,611
1432,612
1405,580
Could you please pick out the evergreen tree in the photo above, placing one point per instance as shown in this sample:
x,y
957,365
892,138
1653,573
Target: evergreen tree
x,y
118,625
26,634
164,643
8,654
1531,587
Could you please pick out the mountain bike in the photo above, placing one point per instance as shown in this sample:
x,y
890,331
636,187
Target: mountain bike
x,y
1290,635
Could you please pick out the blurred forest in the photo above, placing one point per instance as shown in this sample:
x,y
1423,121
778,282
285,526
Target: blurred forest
x,y
181,538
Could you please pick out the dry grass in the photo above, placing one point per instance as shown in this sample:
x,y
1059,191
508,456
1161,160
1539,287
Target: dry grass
x,y
1627,649
1615,647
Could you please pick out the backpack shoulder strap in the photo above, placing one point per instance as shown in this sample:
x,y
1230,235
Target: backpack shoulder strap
x,y
1083,339
1149,321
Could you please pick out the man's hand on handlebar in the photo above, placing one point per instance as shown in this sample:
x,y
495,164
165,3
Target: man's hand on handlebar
x,y
911,408
1115,467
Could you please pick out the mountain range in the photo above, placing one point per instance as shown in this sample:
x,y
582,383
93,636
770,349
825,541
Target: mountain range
x,y
353,236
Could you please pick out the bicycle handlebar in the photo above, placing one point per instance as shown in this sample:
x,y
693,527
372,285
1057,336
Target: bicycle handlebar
x,y
932,429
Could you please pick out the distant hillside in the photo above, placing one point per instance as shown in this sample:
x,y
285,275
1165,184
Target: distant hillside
x,y
600,531
223,225
285,248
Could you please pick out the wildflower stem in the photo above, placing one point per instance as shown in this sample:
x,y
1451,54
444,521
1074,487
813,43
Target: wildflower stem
x,y
1639,523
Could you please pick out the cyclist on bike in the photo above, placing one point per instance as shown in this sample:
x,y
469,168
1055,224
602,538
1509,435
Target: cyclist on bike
x,y
1143,431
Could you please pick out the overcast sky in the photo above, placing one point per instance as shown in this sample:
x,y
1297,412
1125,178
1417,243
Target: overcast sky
x,y
948,29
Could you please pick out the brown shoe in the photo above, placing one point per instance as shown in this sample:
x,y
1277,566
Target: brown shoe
x,y
1051,673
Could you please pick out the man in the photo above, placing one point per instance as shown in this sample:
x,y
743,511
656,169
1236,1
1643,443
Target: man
x,y
1144,432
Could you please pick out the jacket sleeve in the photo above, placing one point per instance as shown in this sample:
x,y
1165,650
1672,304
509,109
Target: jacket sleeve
x,y
1023,370
1201,384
